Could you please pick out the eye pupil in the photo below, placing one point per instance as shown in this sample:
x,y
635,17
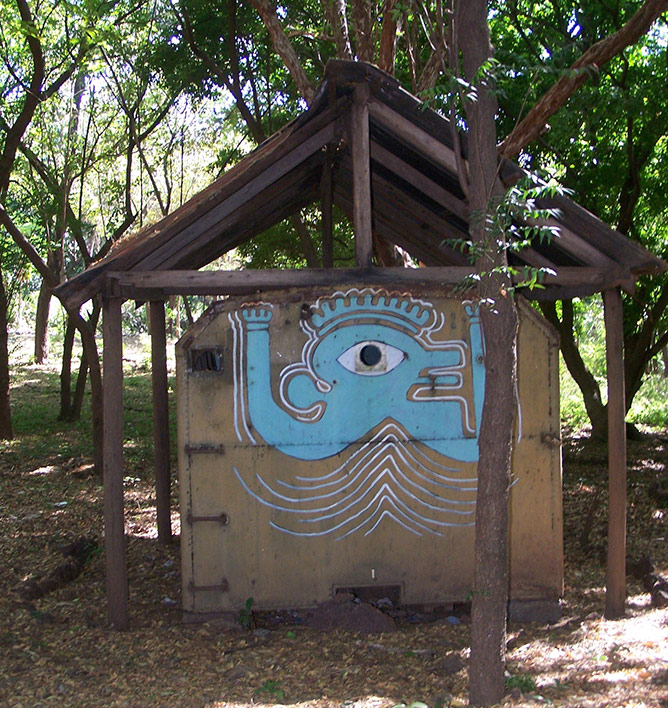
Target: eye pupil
x,y
370,354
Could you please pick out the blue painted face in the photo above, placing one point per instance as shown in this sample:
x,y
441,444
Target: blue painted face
x,y
367,362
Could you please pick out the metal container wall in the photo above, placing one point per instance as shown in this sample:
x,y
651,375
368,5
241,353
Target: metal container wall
x,y
328,439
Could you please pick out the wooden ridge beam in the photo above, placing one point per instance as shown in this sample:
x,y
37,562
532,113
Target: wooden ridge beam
x,y
359,147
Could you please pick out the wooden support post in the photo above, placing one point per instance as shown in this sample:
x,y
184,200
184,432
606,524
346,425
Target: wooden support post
x,y
160,420
326,195
615,595
359,139
114,522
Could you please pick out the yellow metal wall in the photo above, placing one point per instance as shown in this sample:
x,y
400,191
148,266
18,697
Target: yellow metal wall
x,y
247,532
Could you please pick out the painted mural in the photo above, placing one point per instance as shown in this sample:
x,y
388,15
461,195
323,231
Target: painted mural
x,y
329,439
385,395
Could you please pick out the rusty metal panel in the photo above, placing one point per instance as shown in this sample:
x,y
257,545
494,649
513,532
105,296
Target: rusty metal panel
x,y
536,528
336,434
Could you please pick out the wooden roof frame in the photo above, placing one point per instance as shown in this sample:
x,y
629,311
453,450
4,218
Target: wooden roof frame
x,y
374,150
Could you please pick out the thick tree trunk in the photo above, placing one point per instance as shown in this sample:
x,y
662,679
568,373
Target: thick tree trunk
x,y
6,431
363,29
500,324
488,626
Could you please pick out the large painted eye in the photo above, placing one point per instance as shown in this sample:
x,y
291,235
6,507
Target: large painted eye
x,y
371,358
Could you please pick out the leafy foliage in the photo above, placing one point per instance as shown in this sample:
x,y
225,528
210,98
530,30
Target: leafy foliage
x,y
607,145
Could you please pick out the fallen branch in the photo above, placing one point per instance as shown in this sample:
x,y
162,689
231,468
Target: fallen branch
x,y
77,554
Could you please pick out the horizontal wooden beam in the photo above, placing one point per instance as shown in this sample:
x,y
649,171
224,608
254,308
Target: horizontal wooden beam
x,y
153,285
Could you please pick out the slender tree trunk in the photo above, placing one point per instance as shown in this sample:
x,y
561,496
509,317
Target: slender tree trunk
x,y
87,333
66,372
6,432
82,376
588,385
42,324
80,388
488,628
500,325
189,312
54,262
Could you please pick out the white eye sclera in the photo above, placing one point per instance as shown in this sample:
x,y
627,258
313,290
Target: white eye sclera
x,y
371,358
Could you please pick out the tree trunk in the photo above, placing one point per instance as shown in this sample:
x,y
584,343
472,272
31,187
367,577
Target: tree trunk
x,y
80,388
66,372
54,262
591,391
82,376
490,598
87,333
500,325
42,324
6,432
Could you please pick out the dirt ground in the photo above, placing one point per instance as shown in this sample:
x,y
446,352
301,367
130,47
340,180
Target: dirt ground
x,y
58,649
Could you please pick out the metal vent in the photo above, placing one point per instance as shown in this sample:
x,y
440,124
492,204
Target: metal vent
x,y
210,360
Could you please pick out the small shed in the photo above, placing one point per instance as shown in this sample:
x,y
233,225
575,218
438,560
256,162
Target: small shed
x,y
375,151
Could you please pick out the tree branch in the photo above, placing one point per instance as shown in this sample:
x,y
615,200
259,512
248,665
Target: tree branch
x,y
253,126
335,11
30,102
284,48
22,242
533,124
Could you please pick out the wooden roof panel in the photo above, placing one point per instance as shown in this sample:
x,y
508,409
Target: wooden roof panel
x,y
417,200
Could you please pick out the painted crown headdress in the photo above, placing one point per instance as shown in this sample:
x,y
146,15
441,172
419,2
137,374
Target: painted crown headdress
x,y
399,309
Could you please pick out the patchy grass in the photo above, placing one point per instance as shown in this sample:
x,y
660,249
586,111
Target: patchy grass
x,y
59,650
